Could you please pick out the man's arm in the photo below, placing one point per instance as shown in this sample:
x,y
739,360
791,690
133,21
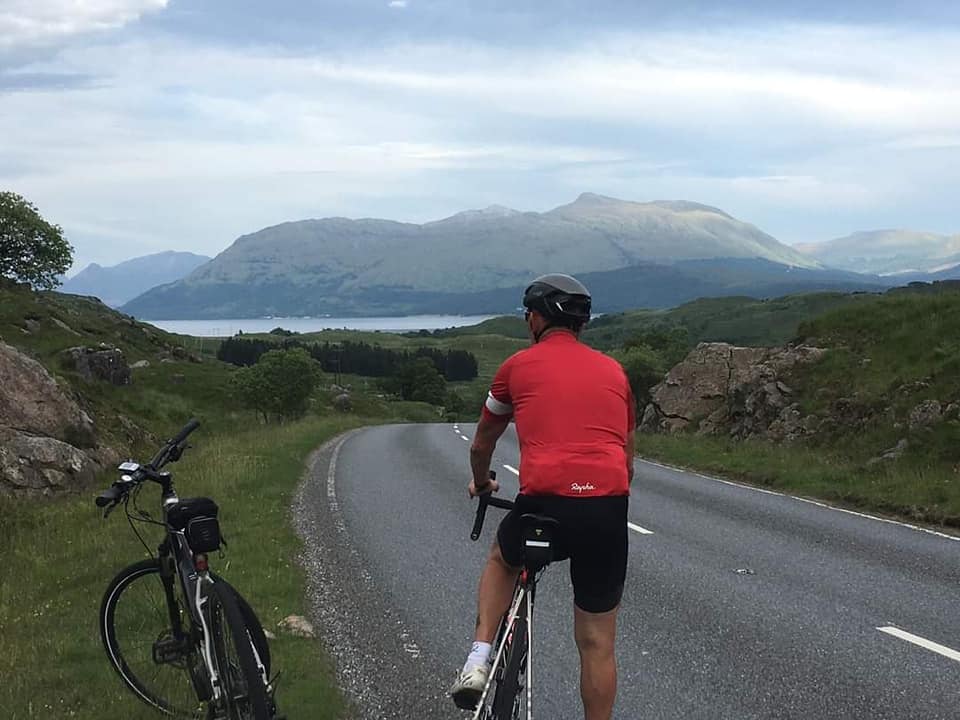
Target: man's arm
x,y
631,450
489,430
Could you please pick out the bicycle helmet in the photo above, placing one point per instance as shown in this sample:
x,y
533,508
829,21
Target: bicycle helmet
x,y
561,299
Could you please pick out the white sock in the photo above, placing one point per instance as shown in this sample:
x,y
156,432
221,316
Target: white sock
x,y
479,655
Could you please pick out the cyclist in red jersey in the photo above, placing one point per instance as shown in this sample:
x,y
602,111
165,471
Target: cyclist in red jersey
x,y
575,420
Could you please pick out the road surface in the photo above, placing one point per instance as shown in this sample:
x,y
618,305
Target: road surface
x,y
740,603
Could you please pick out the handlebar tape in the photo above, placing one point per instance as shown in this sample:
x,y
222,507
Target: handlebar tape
x,y
482,510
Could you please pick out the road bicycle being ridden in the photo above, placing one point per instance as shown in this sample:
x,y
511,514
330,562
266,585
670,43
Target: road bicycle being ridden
x,y
180,637
503,698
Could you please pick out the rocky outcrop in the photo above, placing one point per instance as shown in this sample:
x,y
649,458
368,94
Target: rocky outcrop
x,y
927,413
103,364
47,441
724,389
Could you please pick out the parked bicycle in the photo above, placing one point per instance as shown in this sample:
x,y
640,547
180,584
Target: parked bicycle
x,y
511,674
180,637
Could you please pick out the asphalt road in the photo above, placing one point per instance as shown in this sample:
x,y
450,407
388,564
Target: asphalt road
x,y
739,604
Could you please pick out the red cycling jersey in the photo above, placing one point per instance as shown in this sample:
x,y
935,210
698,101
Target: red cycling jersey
x,y
573,409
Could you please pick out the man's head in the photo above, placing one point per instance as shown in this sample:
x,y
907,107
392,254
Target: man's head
x,y
556,301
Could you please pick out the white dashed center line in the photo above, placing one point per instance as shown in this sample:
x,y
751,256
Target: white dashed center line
x,y
512,469
922,642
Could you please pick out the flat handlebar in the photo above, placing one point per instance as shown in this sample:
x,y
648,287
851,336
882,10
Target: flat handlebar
x,y
170,452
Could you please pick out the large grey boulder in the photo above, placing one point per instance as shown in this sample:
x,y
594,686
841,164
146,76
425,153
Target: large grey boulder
x,y
47,442
32,402
105,364
724,389
35,465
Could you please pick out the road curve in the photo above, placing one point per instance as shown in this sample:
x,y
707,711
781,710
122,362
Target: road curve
x,y
740,603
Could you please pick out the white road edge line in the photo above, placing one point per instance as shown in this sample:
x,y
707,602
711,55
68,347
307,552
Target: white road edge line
x,y
632,526
827,506
922,642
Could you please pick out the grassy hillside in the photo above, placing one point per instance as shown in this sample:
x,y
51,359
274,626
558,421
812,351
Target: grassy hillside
x,y
737,320
887,356
59,554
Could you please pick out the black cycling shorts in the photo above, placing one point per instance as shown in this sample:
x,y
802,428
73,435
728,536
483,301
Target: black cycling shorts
x,y
593,535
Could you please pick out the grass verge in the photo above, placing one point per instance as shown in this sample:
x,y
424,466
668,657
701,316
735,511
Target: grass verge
x,y
917,491
59,556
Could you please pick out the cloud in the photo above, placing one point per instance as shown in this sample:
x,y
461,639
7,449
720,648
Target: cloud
x,y
28,22
397,3
784,127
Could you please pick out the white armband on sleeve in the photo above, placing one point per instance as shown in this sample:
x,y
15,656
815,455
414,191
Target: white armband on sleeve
x,y
497,407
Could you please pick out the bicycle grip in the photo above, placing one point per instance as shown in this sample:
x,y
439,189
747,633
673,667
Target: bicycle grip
x,y
187,429
109,496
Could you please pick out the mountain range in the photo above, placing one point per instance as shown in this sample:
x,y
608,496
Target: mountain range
x,y
888,252
371,266
649,254
116,284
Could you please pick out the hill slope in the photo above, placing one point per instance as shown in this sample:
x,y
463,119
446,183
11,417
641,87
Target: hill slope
x,y
117,284
370,266
887,252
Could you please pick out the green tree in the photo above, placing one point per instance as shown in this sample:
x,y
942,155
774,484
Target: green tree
x,y
644,369
420,380
31,249
279,384
670,343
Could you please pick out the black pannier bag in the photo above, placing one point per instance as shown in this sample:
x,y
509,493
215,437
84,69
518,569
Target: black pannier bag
x,y
197,517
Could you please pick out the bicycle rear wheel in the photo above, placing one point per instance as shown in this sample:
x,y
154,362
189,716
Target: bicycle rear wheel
x,y
244,691
506,698
134,624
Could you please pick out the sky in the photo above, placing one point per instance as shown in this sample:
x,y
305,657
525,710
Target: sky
x,y
149,125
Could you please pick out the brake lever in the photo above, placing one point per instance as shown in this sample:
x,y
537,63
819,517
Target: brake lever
x,y
110,509
176,452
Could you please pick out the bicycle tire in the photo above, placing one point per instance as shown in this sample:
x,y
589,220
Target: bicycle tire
x,y
138,592
252,622
506,698
244,691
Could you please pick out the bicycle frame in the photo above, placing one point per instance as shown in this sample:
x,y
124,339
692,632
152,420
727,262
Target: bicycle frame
x,y
522,602
178,562
191,644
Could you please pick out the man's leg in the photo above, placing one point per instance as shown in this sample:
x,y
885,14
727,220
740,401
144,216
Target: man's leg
x,y
493,596
596,635
493,600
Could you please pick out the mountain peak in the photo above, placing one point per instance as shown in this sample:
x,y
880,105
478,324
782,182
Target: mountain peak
x,y
592,198
594,202
487,213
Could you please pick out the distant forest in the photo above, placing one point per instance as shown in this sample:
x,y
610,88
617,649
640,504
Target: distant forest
x,y
355,358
